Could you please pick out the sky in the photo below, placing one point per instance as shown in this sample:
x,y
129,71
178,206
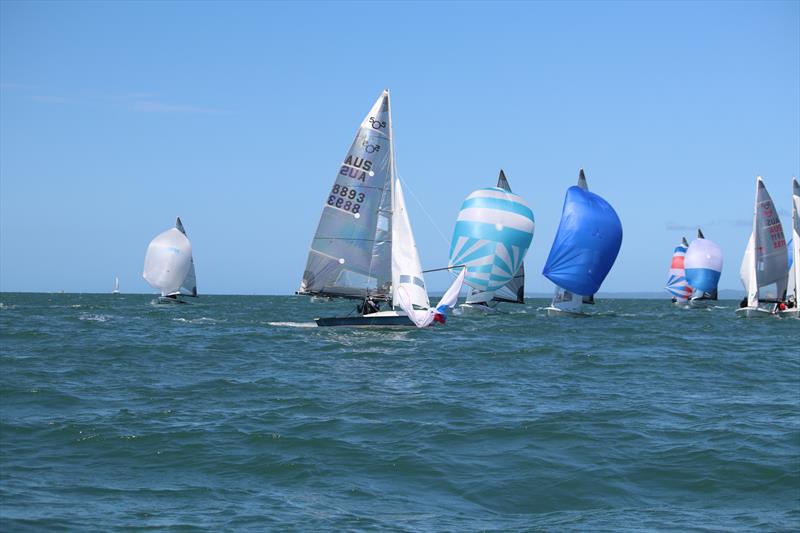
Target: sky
x,y
117,117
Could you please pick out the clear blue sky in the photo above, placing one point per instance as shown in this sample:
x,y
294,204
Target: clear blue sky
x,y
116,117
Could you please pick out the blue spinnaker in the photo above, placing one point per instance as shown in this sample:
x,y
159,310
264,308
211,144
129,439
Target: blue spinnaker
x,y
586,245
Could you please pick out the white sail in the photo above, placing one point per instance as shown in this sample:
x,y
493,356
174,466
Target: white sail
x,y
350,254
425,317
168,262
406,268
116,286
793,286
764,269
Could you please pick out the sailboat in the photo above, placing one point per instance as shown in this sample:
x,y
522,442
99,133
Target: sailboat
x,y
793,283
364,248
764,269
493,232
169,266
703,264
677,285
586,245
116,286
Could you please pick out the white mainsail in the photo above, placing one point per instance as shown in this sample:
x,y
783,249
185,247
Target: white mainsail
x,y
350,254
764,265
116,286
168,264
364,247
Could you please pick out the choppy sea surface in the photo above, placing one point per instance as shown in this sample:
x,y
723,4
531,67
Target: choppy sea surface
x,y
235,413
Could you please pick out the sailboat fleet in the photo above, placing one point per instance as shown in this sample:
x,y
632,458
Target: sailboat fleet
x,y
364,249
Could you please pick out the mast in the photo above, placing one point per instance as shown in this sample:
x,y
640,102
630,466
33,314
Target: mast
x,y
392,170
752,290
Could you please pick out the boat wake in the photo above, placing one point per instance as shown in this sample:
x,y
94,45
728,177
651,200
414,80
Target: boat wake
x,y
293,324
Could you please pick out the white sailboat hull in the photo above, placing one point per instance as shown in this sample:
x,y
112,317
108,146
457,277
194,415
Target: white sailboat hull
x,y
790,313
556,311
701,303
753,312
476,309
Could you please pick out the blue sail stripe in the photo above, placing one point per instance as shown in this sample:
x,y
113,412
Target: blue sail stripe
x,y
509,236
499,205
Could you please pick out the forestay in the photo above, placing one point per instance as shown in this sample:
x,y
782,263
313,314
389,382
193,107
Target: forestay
x,y
587,242
351,252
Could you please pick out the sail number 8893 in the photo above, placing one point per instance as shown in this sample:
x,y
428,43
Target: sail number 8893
x,y
347,198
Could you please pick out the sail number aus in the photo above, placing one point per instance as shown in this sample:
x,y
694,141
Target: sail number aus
x,y
346,198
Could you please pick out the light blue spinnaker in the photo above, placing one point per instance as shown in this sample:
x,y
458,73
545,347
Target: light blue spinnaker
x,y
493,232
586,244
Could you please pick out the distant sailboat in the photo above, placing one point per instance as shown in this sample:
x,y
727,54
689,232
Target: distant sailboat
x,y
793,283
364,248
764,269
677,285
116,286
493,232
703,264
169,266
586,245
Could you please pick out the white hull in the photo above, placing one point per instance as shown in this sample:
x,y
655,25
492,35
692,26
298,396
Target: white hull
x,y
701,304
555,311
476,309
790,313
753,312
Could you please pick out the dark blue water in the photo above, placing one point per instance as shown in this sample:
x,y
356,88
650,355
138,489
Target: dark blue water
x,y
234,414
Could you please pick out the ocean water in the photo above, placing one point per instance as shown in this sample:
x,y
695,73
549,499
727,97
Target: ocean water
x,y
236,414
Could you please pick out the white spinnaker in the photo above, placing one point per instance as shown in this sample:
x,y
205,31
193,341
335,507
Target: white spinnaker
x,y
424,318
406,268
168,261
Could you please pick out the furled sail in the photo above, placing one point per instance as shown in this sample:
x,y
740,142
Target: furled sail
x,y
168,264
676,283
351,253
764,269
703,265
587,242
492,234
